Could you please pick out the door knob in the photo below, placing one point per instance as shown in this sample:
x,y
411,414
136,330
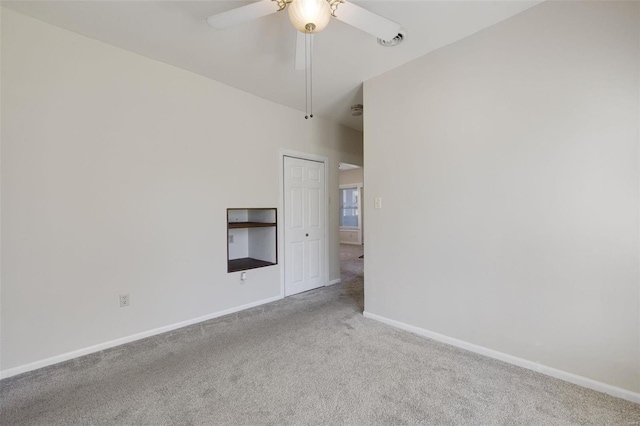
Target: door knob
x,y
307,235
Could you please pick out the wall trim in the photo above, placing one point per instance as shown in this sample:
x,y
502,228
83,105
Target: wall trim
x,y
127,339
521,362
332,282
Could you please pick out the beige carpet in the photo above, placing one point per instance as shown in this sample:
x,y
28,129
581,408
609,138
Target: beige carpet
x,y
351,252
308,359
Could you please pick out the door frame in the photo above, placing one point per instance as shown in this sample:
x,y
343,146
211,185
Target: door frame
x,y
281,218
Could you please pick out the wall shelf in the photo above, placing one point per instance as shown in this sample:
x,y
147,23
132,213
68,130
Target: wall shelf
x,y
252,238
243,264
240,225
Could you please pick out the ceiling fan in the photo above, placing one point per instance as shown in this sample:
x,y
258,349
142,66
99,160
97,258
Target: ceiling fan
x,y
310,17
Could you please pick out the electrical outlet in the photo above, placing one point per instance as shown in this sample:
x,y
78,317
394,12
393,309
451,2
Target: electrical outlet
x,y
124,300
231,239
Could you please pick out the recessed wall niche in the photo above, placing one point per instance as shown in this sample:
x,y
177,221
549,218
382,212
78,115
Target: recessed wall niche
x,y
252,238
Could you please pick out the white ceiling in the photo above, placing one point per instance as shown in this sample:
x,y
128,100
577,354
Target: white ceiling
x,y
258,57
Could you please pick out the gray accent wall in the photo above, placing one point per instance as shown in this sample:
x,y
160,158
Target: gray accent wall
x,y
508,167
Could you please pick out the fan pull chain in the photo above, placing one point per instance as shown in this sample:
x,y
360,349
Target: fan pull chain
x,y
311,76
308,74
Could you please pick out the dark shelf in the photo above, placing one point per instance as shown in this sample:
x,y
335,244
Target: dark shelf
x,y
237,225
245,263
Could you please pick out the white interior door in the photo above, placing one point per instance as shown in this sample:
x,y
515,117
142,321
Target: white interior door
x,y
304,225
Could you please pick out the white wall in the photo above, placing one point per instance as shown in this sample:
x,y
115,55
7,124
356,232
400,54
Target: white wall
x,y
352,176
116,174
513,221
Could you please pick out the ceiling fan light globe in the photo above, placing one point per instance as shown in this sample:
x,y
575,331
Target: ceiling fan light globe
x,y
305,12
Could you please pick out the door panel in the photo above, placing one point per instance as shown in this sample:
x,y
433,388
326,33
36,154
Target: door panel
x,y
314,256
297,202
314,208
313,175
297,250
304,225
296,173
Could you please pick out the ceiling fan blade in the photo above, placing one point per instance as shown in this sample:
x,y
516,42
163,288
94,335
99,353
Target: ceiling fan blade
x,y
242,14
300,52
366,21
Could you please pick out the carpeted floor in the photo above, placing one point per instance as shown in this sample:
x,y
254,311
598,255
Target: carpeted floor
x,y
308,359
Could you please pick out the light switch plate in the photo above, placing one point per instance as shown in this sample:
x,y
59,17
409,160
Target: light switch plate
x,y
377,203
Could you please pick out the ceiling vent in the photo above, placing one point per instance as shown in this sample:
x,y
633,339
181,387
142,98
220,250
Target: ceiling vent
x,y
356,110
394,41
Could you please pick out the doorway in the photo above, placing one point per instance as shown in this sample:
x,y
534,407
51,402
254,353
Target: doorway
x,y
351,223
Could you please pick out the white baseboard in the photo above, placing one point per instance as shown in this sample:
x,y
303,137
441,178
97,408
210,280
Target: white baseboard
x,y
521,362
336,281
117,342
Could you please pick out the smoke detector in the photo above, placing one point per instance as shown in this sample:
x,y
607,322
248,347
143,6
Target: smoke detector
x,y
356,110
402,34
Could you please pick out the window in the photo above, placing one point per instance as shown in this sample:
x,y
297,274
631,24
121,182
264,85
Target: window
x,y
349,207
